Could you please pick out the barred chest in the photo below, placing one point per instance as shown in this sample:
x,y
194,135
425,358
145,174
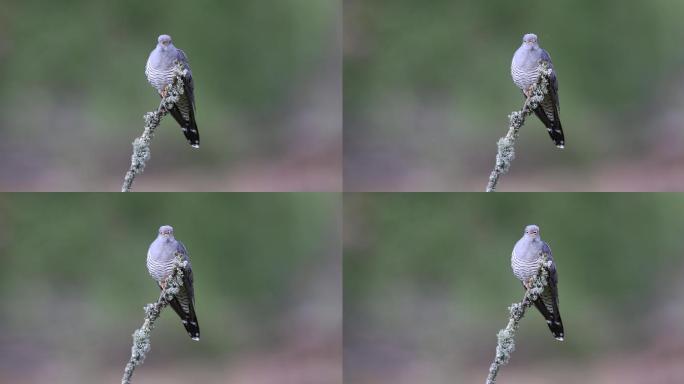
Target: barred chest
x,y
524,77
159,78
160,260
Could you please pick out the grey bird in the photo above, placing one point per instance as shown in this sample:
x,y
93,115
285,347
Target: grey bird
x,y
160,263
160,73
525,263
524,70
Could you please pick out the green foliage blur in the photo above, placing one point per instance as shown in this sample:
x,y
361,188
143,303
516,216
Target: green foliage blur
x,y
73,94
427,92
74,282
427,283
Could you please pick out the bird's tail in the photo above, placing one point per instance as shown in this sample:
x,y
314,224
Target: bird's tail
x,y
553,319
556,327
551,121
192,326
192,133
189,126
556,133
188,317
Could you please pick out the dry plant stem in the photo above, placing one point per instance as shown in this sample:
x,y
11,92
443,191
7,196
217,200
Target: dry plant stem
x,y
506,337
141,337
506,145
141,145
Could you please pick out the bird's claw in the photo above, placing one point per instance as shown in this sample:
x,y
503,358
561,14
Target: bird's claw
x,y
528,283
528,91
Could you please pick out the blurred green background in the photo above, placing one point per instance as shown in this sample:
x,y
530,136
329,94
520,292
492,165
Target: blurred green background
x,y
267,273
427,92
268,94
427,283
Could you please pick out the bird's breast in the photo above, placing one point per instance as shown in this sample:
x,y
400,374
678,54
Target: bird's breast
x,y
523,269
158,76
160,262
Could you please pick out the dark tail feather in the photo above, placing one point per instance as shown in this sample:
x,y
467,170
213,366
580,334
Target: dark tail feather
x,y
189,319
556,133
189,127
553,320
556,328
192,134
554,127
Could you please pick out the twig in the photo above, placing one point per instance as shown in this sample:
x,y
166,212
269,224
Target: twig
x,y
141,145
506,337
506,145
141,336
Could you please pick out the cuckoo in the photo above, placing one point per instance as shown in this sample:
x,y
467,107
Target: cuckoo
x,y
160,72
160,264
525,262
525,72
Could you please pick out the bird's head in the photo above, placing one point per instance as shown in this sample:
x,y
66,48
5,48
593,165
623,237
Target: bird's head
x,y
166,231
530,41
164,41
532,231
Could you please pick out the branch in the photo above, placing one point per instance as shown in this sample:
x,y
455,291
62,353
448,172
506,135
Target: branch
x,y
506,337
141,336
141,145
506,145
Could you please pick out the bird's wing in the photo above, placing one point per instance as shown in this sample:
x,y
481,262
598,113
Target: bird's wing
x,y
548,110
187,80
184,303
187,271
180,248
545,57
553,275
547,302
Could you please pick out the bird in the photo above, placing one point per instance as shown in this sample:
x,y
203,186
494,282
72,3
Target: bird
x,y
525,263
160,264
160,73
524,70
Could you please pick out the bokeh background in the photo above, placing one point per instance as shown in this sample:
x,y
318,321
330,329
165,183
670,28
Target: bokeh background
x,y
427,284
268,93
267,273
427,92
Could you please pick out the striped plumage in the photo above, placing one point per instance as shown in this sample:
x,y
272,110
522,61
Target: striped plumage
x,y
160,73
524,71
160,263
525,264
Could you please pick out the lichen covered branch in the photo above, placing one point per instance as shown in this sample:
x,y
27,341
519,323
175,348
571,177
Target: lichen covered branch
x,y
141,145
141,337
506,145
506,337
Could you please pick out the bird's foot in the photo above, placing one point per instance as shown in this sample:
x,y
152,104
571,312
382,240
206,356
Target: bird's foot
x,y
165,91
528,91
528,283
